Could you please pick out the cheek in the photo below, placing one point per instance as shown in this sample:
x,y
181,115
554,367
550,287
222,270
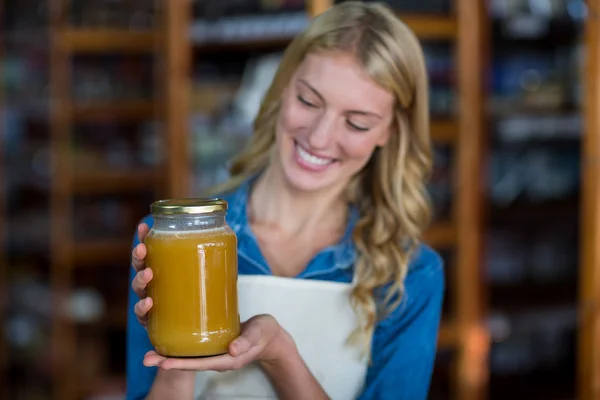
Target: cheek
x,y
293,120
359,148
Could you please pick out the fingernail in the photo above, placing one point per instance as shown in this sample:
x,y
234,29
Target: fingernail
x,y
143,273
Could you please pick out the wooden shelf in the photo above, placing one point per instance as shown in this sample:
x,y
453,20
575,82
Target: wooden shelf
x,y
102,251
444,131
91,182
447,336
78,40
431,27
118,109
441,235
243,45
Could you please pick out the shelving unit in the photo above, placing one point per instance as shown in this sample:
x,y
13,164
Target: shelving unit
x,y
589,295
68,255
464,331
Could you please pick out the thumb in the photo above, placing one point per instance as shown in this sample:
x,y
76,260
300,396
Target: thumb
x,y
251,336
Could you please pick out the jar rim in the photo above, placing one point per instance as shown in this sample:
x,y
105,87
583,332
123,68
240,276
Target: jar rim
x,y
188,206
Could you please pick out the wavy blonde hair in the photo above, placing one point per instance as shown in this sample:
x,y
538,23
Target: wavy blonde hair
x,y
390,192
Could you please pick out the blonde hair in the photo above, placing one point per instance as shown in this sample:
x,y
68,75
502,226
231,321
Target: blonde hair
x,y
390,192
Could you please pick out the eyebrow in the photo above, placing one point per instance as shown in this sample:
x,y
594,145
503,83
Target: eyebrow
x,y
316,92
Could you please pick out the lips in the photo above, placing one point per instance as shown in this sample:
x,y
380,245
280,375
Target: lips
x,y
310,160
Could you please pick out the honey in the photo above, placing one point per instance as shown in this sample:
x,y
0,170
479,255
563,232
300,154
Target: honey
x,y
194,287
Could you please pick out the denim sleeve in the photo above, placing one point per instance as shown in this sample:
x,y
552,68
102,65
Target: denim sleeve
x,y
139,377
405,342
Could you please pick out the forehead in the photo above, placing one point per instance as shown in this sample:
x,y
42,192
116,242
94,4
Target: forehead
x,y
341,80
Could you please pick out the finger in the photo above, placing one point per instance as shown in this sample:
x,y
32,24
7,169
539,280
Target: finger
x,y
153,359
220,363
138,256
250,337
141,309
143,230
140,282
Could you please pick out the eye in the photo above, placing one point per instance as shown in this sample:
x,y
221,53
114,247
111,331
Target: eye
x,y
305,102
357,127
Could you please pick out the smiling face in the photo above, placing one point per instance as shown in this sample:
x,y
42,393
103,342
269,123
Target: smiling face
x,y
333,116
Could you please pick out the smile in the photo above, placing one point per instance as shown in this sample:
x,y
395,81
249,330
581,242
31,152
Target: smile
x,y
310,160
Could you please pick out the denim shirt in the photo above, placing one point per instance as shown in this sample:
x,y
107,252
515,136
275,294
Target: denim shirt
x,y
404,342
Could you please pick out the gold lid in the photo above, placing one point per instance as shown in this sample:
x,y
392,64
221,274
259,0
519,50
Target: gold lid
x,y
188,206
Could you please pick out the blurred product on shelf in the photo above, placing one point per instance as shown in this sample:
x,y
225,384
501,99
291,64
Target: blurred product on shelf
x,y
25,14
539,340
575,9
118,147
419,7
245,28
440,184
534,256
535,174
103,78
442,81
132,14
215,9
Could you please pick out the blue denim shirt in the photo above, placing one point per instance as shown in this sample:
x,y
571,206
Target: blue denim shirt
x,y
404,342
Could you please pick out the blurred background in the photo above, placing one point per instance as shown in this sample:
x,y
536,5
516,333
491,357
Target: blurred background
x,y
108,105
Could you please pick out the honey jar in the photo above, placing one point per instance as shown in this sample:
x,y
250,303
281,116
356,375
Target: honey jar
x,y
192,252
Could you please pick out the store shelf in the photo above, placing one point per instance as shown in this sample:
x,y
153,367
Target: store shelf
x,y
118,109
110,181
98,252
444,131
107,40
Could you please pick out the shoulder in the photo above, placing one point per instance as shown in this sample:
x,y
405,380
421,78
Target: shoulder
x,y
426,263
425,277
424,287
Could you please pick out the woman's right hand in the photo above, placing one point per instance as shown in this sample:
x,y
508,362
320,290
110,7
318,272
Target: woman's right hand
x,y
142,277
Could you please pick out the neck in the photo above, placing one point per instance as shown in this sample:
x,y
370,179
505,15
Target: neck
x,y
274,202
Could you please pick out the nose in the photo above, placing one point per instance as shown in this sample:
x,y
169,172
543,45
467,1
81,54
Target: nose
x,y
323,132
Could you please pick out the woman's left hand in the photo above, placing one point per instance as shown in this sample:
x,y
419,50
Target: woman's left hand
x,y
262,339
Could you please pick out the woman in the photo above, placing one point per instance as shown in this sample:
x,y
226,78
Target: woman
x,y
327,201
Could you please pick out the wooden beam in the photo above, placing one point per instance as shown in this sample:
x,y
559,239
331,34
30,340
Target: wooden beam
x,y
316,7
4,360
447,337
431,27
471,366
63,335
589,332
178,15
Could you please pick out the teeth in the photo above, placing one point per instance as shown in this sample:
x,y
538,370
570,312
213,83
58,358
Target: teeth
x,y
309,158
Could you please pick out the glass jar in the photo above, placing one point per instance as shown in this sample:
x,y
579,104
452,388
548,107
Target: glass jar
x,y
193,256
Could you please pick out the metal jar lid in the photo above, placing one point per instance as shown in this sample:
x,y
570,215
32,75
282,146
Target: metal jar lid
x,y
188,206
